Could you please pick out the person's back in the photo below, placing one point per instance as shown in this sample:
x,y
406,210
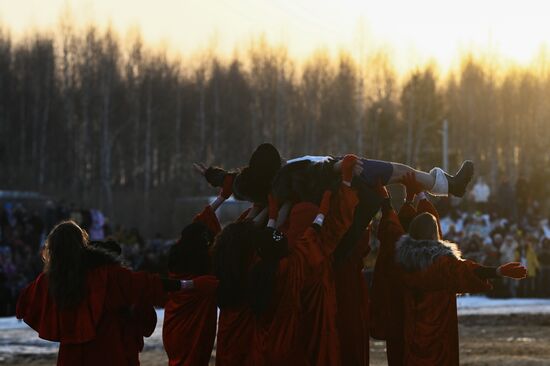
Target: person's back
x,y
429,298
352,296
278,334
432,273
190,315
299,327
82,297
91,333
189,326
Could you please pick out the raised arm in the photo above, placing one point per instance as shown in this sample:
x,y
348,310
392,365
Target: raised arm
x,y
461,276
407,212
336,211
416,190
145,288
389,228
208,215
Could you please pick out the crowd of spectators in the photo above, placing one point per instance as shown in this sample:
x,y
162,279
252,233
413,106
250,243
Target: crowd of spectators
x,y
23,231
507,226
491,239
486,231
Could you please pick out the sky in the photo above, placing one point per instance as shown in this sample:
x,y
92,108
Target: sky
x,y
413,31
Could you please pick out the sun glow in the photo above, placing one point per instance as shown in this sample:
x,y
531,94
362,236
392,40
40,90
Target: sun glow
x,y
415,31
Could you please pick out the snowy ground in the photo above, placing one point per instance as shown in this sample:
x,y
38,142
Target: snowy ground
x,y
17,339
481,305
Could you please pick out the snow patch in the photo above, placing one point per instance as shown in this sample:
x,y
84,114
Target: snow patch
x,y
482,305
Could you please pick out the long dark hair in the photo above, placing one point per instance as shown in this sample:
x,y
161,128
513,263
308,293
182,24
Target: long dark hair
x,y
253,182
63,257
271,246
190,254
67,258
233,254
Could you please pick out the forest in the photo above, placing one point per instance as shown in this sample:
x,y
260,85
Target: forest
x,y
87,117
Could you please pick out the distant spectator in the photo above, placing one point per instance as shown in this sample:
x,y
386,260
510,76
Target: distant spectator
x,y
508,254
527,256
97,226
481,193
543,279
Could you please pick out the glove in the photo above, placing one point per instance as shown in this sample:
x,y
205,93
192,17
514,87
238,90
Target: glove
x,y
215,176
412,185
348,163
205,284
227,186
512,270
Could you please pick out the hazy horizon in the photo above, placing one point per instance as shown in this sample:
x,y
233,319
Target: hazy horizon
x,y
413,34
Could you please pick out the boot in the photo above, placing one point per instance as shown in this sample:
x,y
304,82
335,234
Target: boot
x,y
446,184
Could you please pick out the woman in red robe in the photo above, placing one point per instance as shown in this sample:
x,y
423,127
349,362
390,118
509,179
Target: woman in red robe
x,y
298,325
190,316
352,301
80,299
425,275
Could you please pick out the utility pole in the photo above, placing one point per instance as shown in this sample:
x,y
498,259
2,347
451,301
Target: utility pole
x,y
445,136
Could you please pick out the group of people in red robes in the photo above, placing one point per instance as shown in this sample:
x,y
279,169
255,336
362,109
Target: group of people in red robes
x,y
282,284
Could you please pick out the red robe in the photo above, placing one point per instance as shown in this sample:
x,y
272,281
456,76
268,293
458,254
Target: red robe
x,y
189,327
352,299
387,308
93,333
300,326
190,316
235,332
140,321
416,312
431,322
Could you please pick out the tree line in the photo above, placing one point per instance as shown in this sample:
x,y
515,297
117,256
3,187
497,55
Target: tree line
x,y
116,125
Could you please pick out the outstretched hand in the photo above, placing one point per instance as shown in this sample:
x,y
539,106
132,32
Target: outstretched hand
x,y
412,185
512,270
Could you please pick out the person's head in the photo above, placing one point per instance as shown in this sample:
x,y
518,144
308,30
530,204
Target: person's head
x,y
63,257
424,227
234,254
190,254
497,239
253,183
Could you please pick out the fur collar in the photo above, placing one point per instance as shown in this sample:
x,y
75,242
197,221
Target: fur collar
x,y
97,257
414,255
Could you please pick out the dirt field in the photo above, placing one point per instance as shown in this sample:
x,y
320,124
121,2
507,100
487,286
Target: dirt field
x,y
518,340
